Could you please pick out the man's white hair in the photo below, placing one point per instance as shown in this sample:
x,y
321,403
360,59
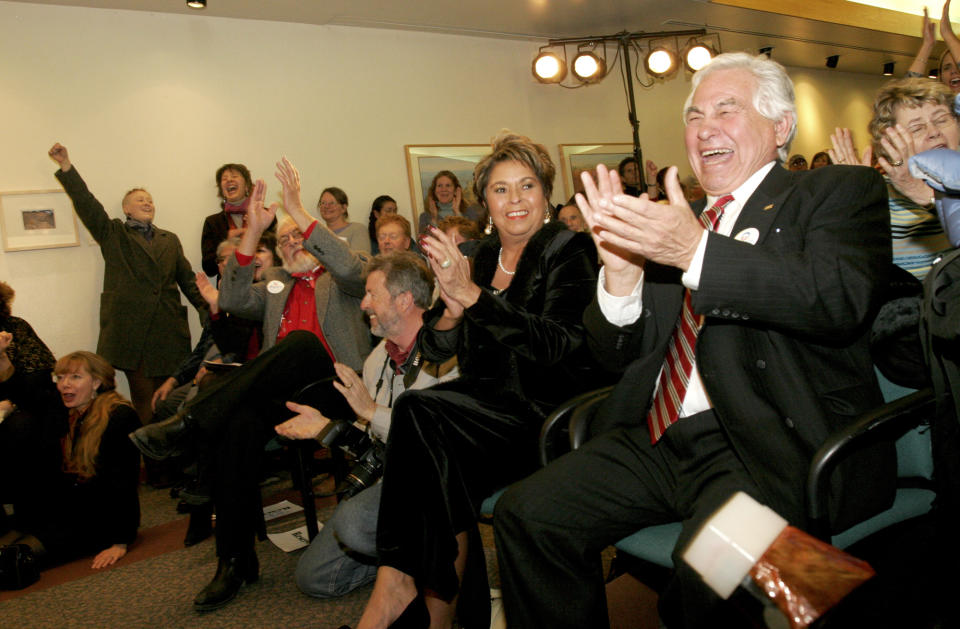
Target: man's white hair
x,y
773,98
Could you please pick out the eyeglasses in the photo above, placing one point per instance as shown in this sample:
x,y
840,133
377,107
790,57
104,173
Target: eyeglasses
x,y
290,236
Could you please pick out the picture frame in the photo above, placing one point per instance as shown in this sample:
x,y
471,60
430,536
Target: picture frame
x,y
575,158
424,161
37,219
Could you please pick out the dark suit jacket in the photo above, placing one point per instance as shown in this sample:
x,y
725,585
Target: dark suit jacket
x,y
142,321
783,351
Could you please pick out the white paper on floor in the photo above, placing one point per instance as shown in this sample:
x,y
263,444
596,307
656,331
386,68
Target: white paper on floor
x,y
280,509
289,541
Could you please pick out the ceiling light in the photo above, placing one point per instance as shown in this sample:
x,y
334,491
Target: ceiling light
x,y
697,56
197,4
661,62
766,50
548,67
833,60
888,68
588,67
934,73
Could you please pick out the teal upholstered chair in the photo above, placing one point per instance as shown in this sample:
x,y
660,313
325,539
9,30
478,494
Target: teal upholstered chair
x,y
901,419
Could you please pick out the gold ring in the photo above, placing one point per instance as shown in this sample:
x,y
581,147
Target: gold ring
x,y
897,164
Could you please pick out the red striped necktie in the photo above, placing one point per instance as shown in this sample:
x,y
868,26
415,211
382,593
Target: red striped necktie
x,y
678,363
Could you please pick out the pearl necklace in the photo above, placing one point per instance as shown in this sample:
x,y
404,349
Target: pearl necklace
x,y
500,263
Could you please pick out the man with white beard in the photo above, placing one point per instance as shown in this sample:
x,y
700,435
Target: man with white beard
x,y
318,289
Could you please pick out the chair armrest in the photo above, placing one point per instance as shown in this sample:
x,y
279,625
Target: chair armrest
x,y
552,443
885,423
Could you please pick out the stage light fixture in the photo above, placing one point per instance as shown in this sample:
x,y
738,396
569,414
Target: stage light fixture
x,y
833,60
197,4
888,68
588,67
698,55
548,67
660,62
766,50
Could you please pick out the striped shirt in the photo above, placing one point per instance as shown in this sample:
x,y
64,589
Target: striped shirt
x,y
918,237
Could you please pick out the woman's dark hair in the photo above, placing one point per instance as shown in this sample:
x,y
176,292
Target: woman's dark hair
x,y
240,168
6,298
374,209
269,241
623,164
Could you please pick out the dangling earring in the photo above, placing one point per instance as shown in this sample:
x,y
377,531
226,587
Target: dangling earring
x,y
489,228
546,214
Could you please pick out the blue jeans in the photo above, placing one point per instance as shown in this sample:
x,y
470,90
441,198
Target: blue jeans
x,y
344,555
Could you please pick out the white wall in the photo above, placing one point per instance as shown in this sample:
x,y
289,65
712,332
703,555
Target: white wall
x,y
161,101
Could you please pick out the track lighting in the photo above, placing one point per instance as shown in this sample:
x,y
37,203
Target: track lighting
x,y
548,67
833,60
197,4
697,56
888,68
588,67
661,62
766,50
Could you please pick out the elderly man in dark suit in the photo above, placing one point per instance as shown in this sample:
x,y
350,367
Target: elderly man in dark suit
x,y
742,340
143,325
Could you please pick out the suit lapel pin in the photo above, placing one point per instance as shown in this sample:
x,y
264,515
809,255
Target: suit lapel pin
x,y
749,235
275,287
767,208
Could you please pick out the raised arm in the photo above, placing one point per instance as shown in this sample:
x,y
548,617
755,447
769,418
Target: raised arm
x,y
87,207
928,33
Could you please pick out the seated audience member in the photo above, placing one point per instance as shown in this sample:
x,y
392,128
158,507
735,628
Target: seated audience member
x,y
460,229
393,233
444,198
234,184
399,287
232,418
739,357
318,289
513,319
910,116
143,326
90,502
692,189
820,160
332,206
32,419
630,176
797,162
570,216
463,232
384,204
948,74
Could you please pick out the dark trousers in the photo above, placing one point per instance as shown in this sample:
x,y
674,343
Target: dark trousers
x,y
551,527
447,450
235,417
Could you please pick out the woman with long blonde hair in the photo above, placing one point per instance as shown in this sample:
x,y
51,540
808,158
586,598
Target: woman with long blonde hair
x,y
93,505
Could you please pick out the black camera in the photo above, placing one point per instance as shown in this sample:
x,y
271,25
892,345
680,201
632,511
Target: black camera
x,y
366,452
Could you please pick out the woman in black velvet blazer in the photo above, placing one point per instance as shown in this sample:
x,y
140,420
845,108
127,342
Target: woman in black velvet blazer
x,y
514,322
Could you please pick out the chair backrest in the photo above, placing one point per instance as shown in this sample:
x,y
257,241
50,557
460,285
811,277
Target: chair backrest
x,y
914,454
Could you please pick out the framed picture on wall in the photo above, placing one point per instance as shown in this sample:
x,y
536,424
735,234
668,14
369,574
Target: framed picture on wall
x,y
37,219
424,161
575,158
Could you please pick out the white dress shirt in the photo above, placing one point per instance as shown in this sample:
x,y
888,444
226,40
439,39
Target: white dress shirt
x,y
625,310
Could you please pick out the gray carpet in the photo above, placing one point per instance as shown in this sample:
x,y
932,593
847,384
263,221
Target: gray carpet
x,y
158,591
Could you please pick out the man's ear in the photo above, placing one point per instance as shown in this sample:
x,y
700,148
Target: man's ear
x,y
782,129
404,301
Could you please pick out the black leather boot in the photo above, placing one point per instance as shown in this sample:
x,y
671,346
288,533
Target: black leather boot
x,y
200,527
164,439
232,573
